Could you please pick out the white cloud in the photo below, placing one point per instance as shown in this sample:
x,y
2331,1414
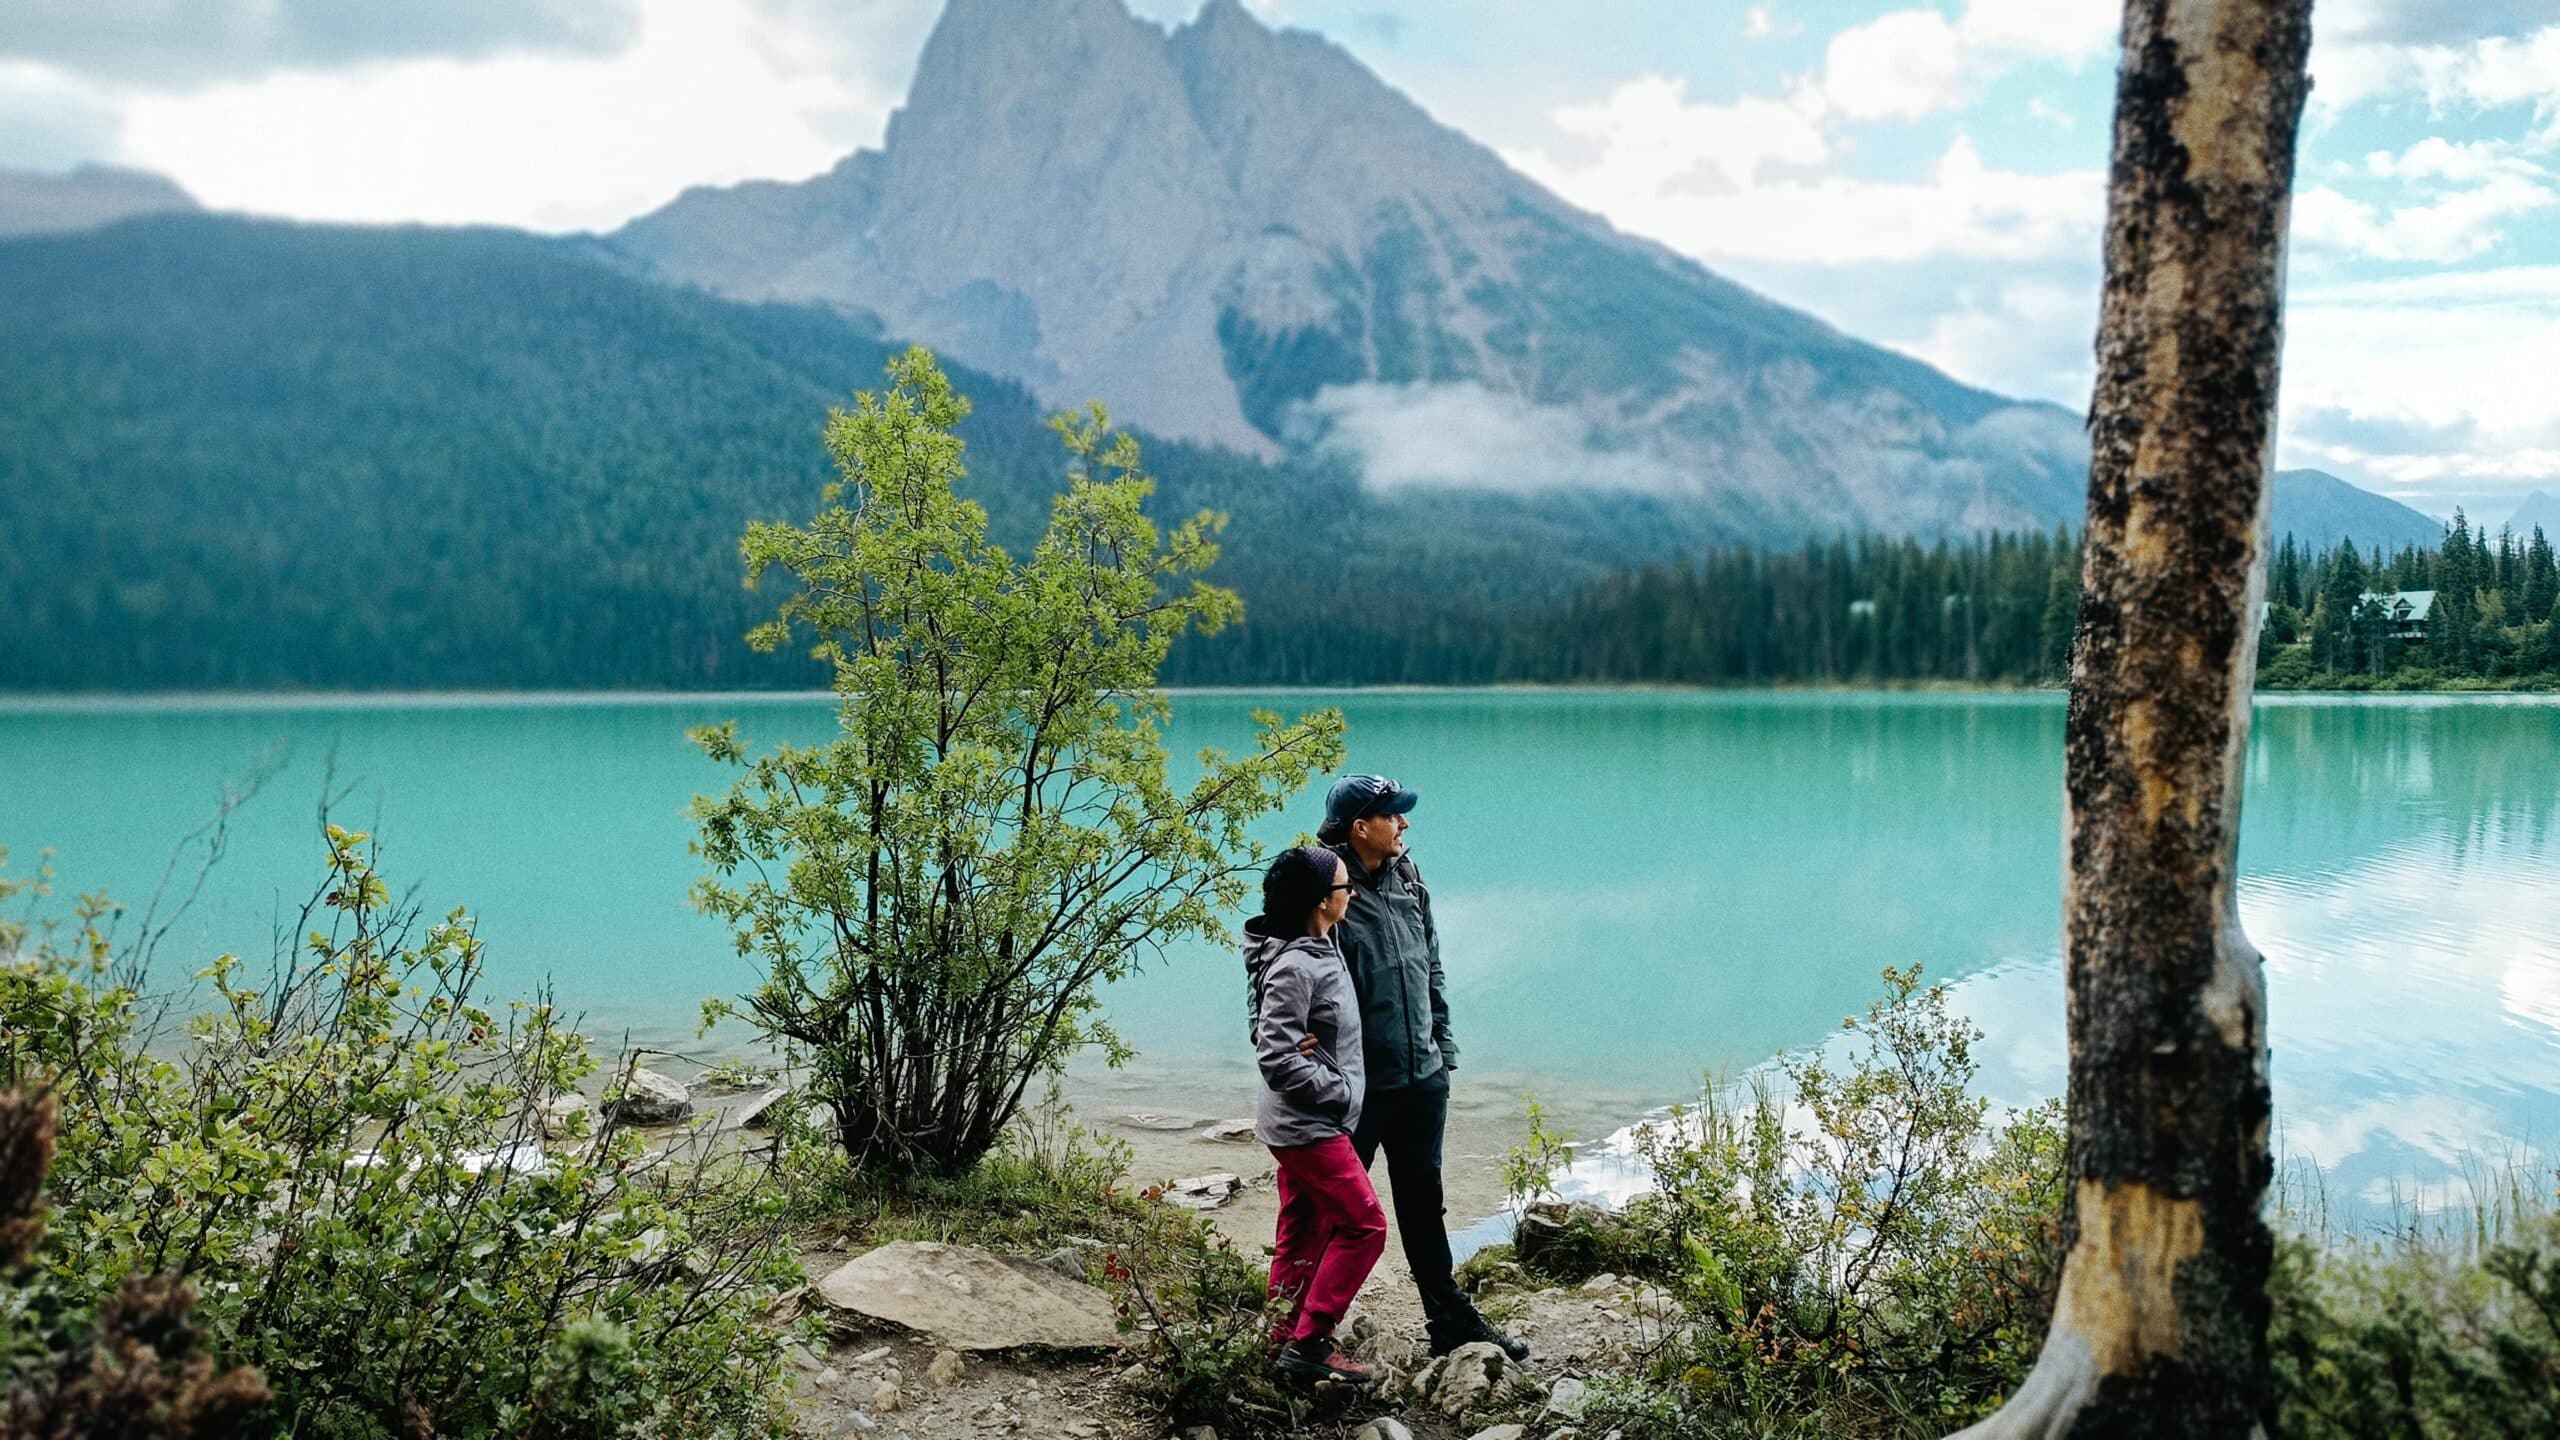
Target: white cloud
x,y
2436,158
2025,337
1899,66
1648,137
2353,63
706,96
1962,207
2459,198
50,120
1743,179
182,43
2496,71
1905,64
1467,436
2467,353
2071,31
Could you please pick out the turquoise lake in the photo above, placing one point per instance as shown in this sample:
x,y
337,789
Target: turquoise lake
x,y
1634,887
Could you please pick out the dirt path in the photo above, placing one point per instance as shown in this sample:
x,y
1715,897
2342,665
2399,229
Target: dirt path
x,y
886,1385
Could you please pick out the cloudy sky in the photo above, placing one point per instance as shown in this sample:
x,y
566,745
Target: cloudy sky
x,y
1925,173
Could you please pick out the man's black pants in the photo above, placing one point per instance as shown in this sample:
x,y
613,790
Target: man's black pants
x,y
1408,1123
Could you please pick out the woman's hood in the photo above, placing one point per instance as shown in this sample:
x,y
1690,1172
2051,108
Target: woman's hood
x,y
1261,947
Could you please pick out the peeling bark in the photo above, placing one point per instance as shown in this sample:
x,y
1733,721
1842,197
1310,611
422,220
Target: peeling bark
x,y
2160,1325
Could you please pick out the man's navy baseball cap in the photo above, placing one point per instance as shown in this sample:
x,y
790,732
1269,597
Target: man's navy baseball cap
x,y
1358,797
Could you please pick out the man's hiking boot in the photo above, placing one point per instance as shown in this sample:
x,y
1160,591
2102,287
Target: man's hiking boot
x,y
1321,1359
1445,1338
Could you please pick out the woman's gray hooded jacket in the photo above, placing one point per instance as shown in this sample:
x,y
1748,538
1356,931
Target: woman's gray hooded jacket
x,y
1300,987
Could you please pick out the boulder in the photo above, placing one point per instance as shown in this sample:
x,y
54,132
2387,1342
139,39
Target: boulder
x,y
1466,1378
1150,1120
1566,1400
1546,1222
946,1369
649,1098
1385,1427
1500,1432
969,1299
1227,1132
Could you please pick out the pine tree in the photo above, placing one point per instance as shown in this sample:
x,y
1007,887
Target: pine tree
x,y
2286,585
2333,618
2541,576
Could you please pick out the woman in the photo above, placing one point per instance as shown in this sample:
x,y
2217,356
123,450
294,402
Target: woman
x,y
1306,1033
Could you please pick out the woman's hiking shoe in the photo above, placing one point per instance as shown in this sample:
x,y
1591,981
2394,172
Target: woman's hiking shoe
x,y
1321,1359
1473,1329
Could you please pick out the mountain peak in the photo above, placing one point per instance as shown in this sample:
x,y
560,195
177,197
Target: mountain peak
x,y
1240,234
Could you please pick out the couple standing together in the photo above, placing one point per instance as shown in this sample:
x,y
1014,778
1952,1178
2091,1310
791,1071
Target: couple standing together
x,y
1351,1031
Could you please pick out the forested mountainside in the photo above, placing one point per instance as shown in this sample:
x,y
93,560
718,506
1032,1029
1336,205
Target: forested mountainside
x,y
244,454
252,454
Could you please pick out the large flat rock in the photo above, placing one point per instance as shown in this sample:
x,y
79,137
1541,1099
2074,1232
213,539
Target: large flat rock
x,y
970,1299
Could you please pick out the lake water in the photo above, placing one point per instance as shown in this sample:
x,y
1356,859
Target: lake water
x,y
1634,888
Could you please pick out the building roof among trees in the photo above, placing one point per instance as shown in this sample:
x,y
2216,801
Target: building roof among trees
x,y
2404,604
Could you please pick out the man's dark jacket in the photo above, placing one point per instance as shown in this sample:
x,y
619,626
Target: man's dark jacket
x,y
1393,951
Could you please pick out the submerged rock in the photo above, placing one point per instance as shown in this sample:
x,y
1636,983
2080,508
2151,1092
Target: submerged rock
x,y
970,1299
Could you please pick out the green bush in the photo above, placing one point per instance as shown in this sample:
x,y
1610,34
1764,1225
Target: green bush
x,y
1858,1247
2445,1331
344,1157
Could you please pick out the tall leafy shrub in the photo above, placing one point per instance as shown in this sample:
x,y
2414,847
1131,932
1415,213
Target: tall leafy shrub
x,y
938,892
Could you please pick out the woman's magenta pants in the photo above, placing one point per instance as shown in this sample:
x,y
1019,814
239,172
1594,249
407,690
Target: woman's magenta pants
x,y
1331,1234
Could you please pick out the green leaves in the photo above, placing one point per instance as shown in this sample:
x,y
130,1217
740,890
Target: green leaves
x,y
1859,1247
326,1157
938,892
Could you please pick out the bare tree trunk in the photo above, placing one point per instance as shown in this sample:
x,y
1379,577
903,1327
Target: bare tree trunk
x,y
2160,1325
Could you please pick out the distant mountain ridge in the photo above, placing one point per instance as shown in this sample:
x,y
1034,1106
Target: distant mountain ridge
x,y
2539,508
2319,510
1243,237
37,203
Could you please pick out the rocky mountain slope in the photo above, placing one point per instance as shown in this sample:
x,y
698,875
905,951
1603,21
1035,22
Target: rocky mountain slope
x,y
1244,237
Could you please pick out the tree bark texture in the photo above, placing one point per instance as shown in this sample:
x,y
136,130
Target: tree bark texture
x,y
2160,1324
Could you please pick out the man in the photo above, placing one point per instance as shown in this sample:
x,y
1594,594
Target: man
x,y
1393,951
